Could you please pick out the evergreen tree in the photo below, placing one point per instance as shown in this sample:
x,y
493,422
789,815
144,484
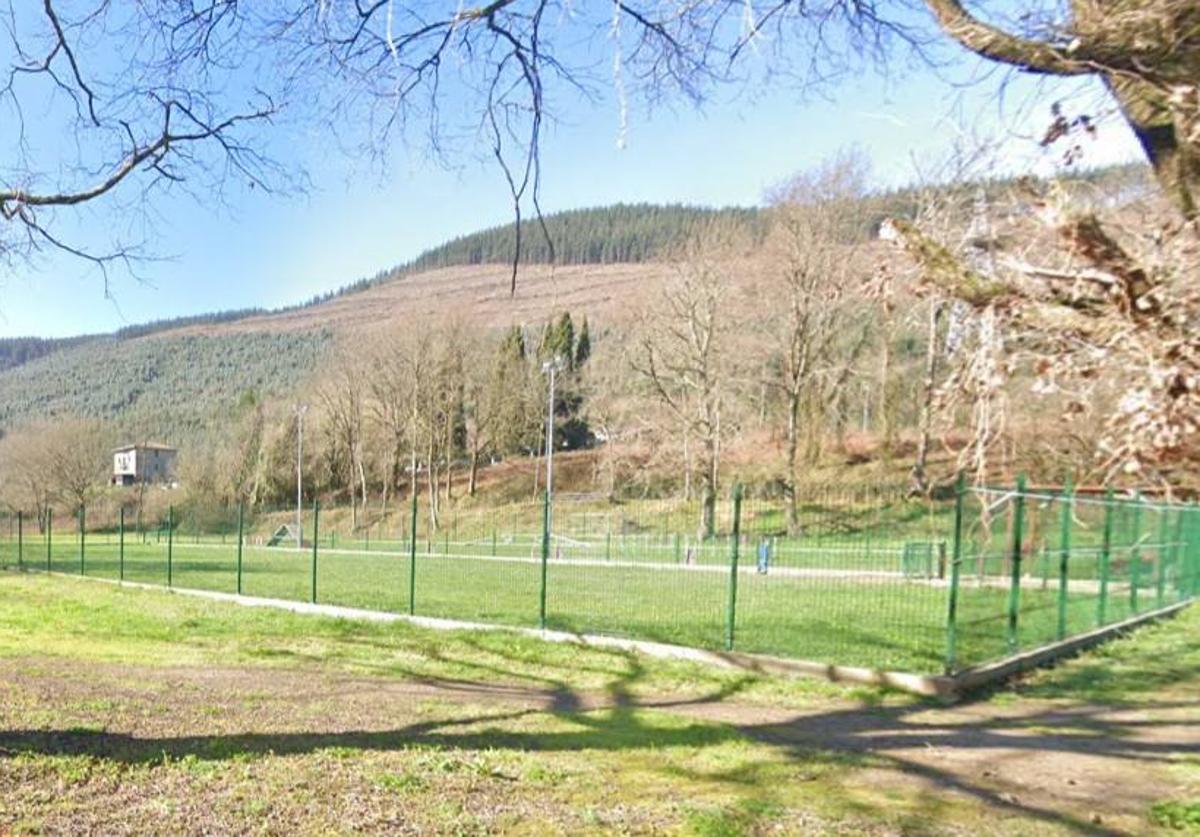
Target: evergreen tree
x,y
583,346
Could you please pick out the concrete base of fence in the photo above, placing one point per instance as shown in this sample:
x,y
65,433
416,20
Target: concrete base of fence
x,y
978,677
946,687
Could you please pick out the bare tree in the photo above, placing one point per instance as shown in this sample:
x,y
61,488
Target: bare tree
x,y
683,355
1146,52
342,395
108,103
1101,313
513,59
815,271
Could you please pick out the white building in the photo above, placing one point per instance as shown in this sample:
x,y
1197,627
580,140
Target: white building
x,y
149,463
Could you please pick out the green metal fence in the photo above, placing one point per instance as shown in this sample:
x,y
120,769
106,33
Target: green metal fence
x,y
871,578
1037,566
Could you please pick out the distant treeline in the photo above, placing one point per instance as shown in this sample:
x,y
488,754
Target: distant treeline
x,y
155,326
15,351
622,233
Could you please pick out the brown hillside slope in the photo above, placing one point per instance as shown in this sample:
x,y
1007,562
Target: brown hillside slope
x,y
479,294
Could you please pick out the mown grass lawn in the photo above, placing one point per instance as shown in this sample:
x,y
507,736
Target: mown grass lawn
x,y
843,613
132,711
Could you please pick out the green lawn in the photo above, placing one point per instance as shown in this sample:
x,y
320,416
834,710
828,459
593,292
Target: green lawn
x,y
840,604
133,711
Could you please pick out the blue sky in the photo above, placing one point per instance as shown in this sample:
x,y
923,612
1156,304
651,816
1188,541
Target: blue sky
x,y
357,218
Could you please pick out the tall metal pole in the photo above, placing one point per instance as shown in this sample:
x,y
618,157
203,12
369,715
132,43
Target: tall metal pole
x,y
552,367
301,409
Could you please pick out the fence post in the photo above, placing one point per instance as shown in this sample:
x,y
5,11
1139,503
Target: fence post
x,y
1193,549
1105,558
49,536
170,542
1068,501
316,522
1014,591
1188,546
1160,579
412,557
545,558
241,536
731,606
82,524
1135,555
960,489
20,542
1176,545
120,543
608,546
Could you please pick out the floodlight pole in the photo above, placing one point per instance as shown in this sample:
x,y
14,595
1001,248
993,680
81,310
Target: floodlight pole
x,y
301,409
551,366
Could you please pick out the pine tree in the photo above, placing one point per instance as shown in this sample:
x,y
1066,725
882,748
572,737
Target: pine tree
x,y
583,346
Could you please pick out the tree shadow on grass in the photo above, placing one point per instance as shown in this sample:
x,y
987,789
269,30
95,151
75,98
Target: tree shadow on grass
x,y
537,712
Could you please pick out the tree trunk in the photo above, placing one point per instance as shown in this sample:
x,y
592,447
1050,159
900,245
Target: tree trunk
x,y
886,430
793,429
362,479
708,487
1159,129
449,460
920,480
432,483
472,483
687,465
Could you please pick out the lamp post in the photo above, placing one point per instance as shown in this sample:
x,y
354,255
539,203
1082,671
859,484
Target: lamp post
x,y
551,367
301,409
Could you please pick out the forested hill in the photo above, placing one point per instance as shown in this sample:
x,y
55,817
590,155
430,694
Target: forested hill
x,y
624,233
15,351
620,234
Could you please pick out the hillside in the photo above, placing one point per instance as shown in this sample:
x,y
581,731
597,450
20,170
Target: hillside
x,y
173,382
164,387
169,378
479,295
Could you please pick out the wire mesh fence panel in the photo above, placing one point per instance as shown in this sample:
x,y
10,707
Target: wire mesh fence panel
x,y
8,540
990,555
640,569
203,556
479,565
1042,566
40,543
870,578
852,578
350,575
276,572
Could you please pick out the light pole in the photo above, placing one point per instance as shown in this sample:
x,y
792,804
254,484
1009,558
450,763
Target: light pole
x,y
550,366
301,409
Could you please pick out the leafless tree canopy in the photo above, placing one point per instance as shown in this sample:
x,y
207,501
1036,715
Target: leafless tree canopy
x,y
113,101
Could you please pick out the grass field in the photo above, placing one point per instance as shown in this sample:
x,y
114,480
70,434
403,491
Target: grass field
x,y
847,603
864,578
137,712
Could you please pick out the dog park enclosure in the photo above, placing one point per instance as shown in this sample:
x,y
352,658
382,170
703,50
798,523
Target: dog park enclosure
x,y
869,578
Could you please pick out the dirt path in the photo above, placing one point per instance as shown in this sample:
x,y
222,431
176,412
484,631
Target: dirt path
x,y
1086,768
